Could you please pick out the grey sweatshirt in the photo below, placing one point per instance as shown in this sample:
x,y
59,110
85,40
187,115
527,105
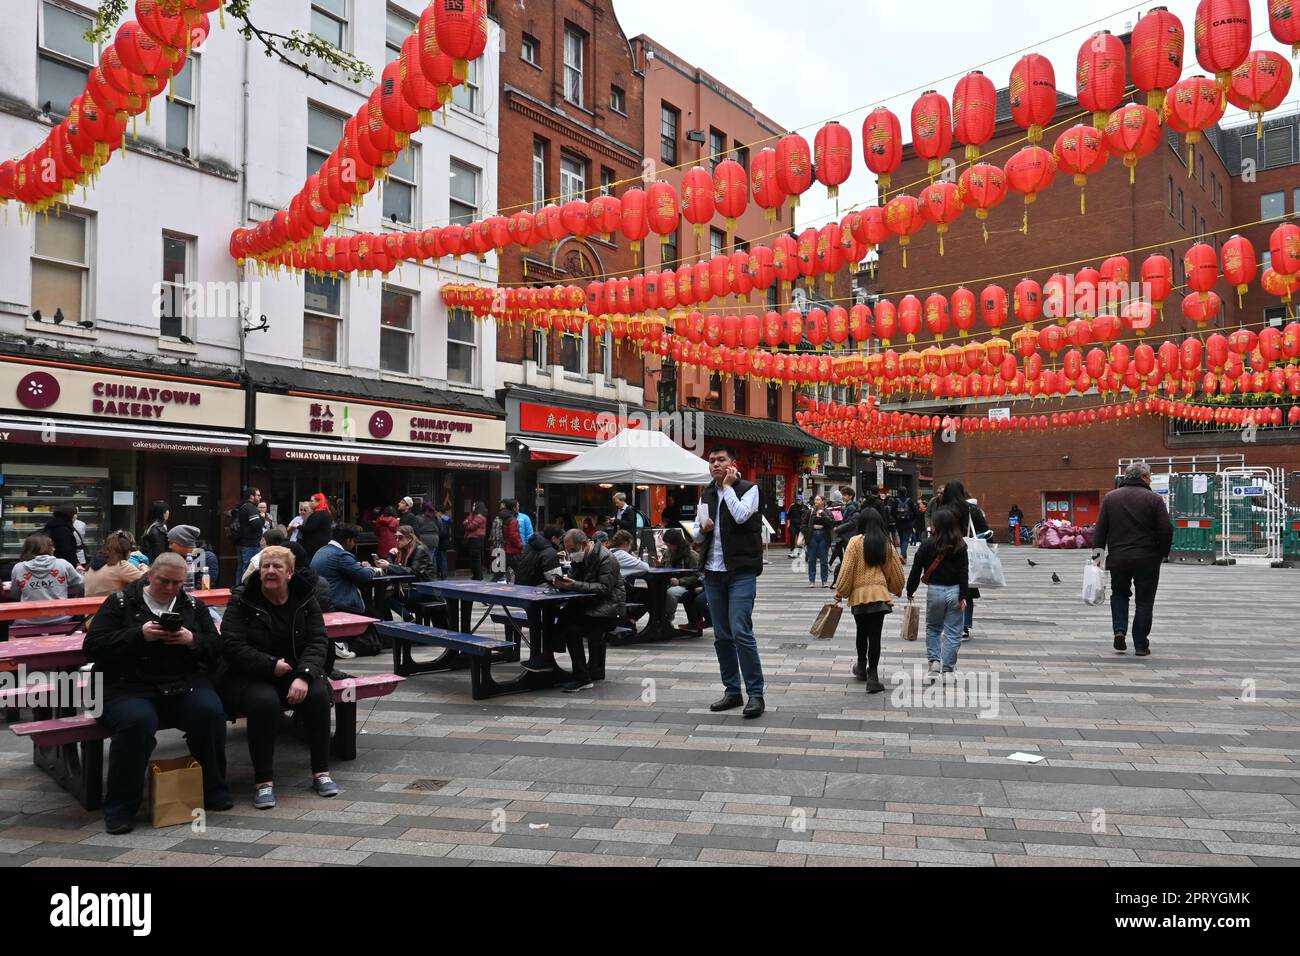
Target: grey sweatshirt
x,y
45,578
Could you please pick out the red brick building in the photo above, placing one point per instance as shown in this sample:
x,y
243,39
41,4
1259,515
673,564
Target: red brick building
x,y
1064,474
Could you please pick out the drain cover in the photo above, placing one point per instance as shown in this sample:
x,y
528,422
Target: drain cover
x,y
427,785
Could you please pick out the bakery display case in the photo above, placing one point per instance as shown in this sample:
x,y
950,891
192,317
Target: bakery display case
x,y
30,493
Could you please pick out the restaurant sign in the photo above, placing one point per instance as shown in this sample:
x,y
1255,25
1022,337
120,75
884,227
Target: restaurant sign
x,y
572,422
346,421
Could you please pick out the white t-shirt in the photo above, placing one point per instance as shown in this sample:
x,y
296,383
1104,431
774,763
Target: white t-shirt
x,y
157,609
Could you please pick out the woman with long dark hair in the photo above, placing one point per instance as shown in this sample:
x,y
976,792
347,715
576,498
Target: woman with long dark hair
x,y
942,564
818,528
871,574
474,529
154,541
318,526
971,522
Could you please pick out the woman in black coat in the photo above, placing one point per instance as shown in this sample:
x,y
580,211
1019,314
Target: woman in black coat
x,y
63,534
969,514
276,655
413,558
318,528
154,541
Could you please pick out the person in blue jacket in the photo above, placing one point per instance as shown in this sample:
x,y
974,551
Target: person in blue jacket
x,y
343,574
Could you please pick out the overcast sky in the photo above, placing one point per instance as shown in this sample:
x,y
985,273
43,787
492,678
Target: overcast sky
x,y
806,61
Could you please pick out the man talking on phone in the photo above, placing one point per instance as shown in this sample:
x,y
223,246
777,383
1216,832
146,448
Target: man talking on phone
x,y
157,650
729,525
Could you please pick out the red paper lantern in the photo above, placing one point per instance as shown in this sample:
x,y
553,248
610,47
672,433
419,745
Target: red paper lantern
x,y
762,268
1029,172
860,324
397,112
1284,249
794,174
937,315
1193,106
576,219
870,228
1260,85
1239,265
882,146
1132,133
1223,35
910,317
697,200
438,67
1032,94
964,308
1202,309
833,157
1028,301
730,191
1201,266
941,204
903,218
792,329
993,306
983,187
886,321
1158,280
932,129
1101,75
461,29
767,188
1284,22
632,218
662,210
974,110
1081,153
1274,283
1156,49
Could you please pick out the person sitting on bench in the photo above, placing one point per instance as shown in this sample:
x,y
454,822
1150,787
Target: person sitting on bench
x,y
597,573
411,556
339,569
157,649
276,649
541,558
621,547
687,588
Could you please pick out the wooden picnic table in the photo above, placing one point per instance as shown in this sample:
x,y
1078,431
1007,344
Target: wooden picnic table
x,y
537,603
11,611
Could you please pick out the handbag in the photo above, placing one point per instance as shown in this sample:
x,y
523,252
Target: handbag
x,y
911,623
985,565
175,790
1094,585
827,621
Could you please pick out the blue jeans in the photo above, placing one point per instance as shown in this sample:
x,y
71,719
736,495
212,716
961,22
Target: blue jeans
x,y
905,533
134,723
819,550
440,562
731,606
245,555
943,617
1145,582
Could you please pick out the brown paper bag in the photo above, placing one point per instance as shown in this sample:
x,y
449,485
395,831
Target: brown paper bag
x,y
911,622
175,790
827,621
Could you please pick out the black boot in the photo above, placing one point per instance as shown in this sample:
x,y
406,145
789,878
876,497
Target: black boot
x,y
860,670
873,682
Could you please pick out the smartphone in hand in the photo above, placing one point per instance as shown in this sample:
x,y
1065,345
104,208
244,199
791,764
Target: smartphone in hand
x,y
170,621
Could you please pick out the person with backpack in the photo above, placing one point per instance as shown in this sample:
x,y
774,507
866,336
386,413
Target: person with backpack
x,y
871,575
847,527
248,530
905,515
942,564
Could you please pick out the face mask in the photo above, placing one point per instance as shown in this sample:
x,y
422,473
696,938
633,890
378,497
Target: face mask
x,y
577,556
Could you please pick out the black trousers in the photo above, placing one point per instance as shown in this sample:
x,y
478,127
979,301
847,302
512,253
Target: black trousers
x,y
262,702
576,625
1145,581
869,629
474,551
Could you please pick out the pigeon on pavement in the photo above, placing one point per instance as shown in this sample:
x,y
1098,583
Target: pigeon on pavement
x,y
1032,564
1056,578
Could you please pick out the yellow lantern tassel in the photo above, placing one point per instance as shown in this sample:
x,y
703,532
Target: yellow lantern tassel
x,y
1024,227
1132,172
1191,158
1083,202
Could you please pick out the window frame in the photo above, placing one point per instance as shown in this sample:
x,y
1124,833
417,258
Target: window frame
x,y
46,52
178,291
412,23
740,395
527,41
324,153
474,347
717,148
583,355
542,350
86,267
665,260
721,246
741,153
607,368
667,110
412,299
607,180
412,151
471,87
1182,210
453,201
540,148
773,402
1172,215
340,319
618,99
344,22
571,69
567,194
191,106
1264,197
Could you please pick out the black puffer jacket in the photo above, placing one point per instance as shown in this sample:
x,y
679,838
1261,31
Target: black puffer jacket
x,y
250,646
1134,527
134,667
599,574
154,541
419,564
539,557
64,536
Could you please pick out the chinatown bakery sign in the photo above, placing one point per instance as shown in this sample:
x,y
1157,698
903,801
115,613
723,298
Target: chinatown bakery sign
x,y
322,418
116,396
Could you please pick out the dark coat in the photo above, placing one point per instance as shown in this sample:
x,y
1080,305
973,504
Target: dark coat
x,y
419,564
318,585
250,647
1134,527
154,541
316,532
65,539
250,526
539,557
687,560
344,575
818,521
134,667
600,575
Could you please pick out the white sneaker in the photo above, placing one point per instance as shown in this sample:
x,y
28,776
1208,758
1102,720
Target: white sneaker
x,y
812,584
342,652
936,669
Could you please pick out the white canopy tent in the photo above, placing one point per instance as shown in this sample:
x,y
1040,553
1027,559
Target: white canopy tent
x,y
636,456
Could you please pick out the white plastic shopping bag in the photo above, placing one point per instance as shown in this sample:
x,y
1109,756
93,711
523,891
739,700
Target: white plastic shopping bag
x,y
985,565
1094,585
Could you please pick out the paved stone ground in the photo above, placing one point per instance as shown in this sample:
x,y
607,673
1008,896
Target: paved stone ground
x,y
1163,761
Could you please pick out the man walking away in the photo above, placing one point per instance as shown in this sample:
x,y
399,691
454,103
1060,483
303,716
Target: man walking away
x,y
905,515
250,531
730,527
794,520
1135,531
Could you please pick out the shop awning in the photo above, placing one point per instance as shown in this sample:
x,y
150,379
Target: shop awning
x,y
740,428
372,453
541,449
70,432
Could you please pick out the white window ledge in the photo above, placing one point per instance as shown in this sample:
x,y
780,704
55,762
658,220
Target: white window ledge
x,y
66,328
166,344
326,367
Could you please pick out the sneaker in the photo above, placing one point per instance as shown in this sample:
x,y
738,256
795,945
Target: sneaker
x,y
1142,652
1120,643
874,686
118,827
537,666
575,687
812,584
935,670
343,652
325,786
965,634
264,798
